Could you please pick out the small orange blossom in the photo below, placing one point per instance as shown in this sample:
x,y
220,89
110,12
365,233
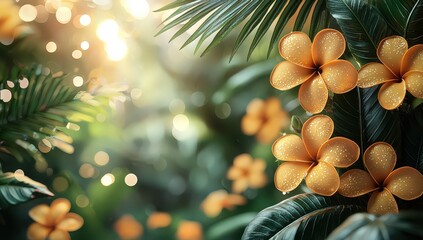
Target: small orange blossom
x,y
218,200
189,230
247,172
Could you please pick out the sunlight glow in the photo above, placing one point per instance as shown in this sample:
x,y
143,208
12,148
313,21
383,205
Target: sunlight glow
x,y
139,9
116,49
85,20
109,29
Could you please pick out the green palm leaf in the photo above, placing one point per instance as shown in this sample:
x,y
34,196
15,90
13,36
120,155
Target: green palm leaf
x,y
222,16
405,225
39,115
305,216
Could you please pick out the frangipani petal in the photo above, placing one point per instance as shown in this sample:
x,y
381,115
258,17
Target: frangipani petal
x,y
250,124
71,222
380,159
390,52
240,185
37,231
339,151
340,76
273,107
255,107
391,95
296,48
316,130
313,94
413,59
243,161
382,202
39,214
270,130
257,180
323,179
58,234
287,75
373,74
58,209
328,45
414,83
234,173
356,182
290,148
405,183
290,174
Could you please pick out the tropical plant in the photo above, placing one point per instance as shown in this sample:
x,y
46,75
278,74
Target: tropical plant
x,y
374,32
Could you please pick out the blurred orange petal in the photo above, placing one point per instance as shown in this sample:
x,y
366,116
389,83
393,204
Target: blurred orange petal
x,y
189,230
39,214
313,94
58,234
287,75
256,107
243,161
405,183
323,179
258,165
391,94
340,76
250,125
414,83
290,148
37,231
159,220
257,180
296,48
240,185
273,106
356,182
340,152
71,222
316,130
290,174
270,130
380,159
127,227
382,203
328,45
234,173
58,209
373,74
233,200
413,59
212,205
390,52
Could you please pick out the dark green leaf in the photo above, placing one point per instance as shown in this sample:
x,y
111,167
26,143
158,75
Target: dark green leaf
x,y
305,216
396,13
412,127
362,26
358,116
405,225
413,26
18,189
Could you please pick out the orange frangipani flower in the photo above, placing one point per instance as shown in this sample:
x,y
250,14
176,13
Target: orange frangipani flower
x,y
264,119
315,66
128,228
189,230
247,172
216,201
315,157
54,222
380,159
401,70
159,220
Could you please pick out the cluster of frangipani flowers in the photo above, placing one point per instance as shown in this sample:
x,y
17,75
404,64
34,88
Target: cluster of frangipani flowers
x,y
401,70
264,119
315,66
382,180
314,156
247,172
54,221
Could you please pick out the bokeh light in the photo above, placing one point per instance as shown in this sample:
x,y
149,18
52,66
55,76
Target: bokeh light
x,y
60,184
78,81
85,20
28,13
86,170
108,29
101,158
63,15
51,47
77,54
131,179
85,45
181,122
116,49
139,9
108,179
82,201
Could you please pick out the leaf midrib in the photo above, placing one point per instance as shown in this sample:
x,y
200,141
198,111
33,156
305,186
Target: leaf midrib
x,y
407,23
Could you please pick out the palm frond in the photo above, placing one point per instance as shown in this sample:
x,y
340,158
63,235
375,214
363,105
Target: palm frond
x,y
39,113
220,17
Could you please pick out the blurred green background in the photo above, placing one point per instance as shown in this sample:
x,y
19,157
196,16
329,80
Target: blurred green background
x,y
166,142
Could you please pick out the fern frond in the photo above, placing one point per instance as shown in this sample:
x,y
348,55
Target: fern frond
x,y
39,113
220,17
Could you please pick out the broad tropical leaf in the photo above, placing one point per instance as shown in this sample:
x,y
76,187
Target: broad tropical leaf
x,y
413,27
396,13
412,127
405,225
305,216
358,116
222,16
15,189
362,25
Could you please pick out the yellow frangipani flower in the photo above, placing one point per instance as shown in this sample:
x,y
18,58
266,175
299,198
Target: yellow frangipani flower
x,y
53,222
246,173
401,70
315,66
381,180
314,157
